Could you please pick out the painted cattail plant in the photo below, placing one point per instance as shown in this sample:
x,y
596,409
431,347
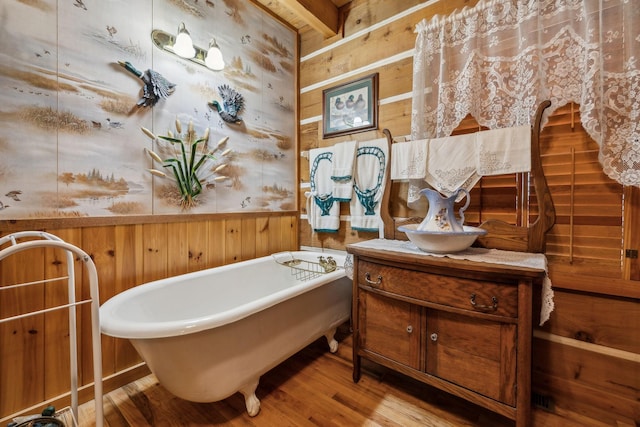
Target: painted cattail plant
x,y
188,160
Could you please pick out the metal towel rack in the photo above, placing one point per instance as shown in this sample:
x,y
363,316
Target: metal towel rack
x,y
40,239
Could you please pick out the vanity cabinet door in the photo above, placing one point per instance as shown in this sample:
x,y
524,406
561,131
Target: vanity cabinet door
x,y
476,354
390,328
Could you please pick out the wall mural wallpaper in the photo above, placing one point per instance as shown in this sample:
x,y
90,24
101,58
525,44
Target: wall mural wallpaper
x,y
80,79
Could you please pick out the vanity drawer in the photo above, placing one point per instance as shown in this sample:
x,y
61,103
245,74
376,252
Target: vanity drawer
x,y
468,294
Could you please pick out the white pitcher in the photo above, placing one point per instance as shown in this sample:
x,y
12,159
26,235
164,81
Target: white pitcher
x,y
441,215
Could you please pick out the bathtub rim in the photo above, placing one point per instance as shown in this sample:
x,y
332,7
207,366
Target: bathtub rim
x,y
113,325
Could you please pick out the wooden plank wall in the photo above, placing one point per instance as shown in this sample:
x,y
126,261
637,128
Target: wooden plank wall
x,y
587,356
34,352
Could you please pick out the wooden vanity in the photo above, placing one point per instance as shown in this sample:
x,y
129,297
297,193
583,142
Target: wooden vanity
x,y
462,326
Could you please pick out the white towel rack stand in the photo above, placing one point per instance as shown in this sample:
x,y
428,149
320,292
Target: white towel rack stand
x,y
38,239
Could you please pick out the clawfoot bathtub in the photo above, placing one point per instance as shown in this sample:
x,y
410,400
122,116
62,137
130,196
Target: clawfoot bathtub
x,y
209,334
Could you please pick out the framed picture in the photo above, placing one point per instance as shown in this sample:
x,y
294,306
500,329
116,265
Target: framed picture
x,y
351,107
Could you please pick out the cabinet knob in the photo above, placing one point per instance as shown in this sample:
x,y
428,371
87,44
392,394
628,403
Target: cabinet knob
x,y
434,337
409,329
367,278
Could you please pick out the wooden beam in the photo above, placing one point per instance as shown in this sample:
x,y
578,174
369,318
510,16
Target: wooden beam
x,y
321,15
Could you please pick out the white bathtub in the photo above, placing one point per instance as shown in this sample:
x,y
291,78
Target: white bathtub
x,y
209,334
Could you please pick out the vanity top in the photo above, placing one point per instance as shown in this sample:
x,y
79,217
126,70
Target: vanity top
x,y
476,260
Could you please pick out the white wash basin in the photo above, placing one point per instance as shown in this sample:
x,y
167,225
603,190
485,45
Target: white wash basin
x,y
442,241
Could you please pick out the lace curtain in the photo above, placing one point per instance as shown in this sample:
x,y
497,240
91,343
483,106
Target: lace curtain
x,y
499,60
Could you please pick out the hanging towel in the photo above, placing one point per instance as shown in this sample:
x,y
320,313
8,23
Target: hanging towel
x,y
323,212
344,155
451,163
409,160
368,185
413,192
502,151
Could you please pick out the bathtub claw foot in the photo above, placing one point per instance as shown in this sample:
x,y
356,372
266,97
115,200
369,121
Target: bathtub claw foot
x,y
333,344
250,399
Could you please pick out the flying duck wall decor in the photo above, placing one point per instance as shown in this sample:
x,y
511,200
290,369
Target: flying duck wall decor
x,y
155,86
232,104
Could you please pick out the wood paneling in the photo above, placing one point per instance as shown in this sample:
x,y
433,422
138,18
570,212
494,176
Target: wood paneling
x,y
34,352
631,239
599,385
596,319
197,249
262,236
177,249
359,15
233,241
23,340
215,242
128,273
248,242
155,258
99,243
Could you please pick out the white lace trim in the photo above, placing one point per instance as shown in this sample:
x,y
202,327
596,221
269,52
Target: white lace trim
x,y
499,60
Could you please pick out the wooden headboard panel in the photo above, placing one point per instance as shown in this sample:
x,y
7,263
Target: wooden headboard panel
x,y
500,235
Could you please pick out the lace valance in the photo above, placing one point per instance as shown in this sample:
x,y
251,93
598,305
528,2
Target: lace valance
x,y
499,60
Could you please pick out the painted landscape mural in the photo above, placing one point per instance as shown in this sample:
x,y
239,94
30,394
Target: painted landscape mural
x,y
71,141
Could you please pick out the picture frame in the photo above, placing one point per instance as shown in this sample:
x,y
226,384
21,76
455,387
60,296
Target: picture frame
x,y
350,107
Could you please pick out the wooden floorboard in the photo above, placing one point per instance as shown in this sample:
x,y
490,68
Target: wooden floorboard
x,y
313,388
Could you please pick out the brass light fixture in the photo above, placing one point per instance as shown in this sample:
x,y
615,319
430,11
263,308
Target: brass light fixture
x,y
182,45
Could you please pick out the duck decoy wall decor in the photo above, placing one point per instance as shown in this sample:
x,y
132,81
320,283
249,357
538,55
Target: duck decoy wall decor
x,y
230,106
73,87
155,86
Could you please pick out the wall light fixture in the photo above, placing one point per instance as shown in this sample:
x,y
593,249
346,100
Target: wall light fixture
x,y
214,58
182,46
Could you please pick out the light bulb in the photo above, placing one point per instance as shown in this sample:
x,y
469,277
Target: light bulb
x,y
184,45
214,58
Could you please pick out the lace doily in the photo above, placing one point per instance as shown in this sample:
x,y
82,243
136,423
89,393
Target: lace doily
x,y
499,60
348,266
495,256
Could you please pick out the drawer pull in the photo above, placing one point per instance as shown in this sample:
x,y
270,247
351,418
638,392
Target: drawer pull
x,y
367,278
482,307
434,337
409,329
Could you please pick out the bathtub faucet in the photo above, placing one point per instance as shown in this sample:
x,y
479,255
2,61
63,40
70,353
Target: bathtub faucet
x,y
329,264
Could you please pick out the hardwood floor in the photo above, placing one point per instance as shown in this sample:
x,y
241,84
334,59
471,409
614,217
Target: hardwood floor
x,y
312,388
